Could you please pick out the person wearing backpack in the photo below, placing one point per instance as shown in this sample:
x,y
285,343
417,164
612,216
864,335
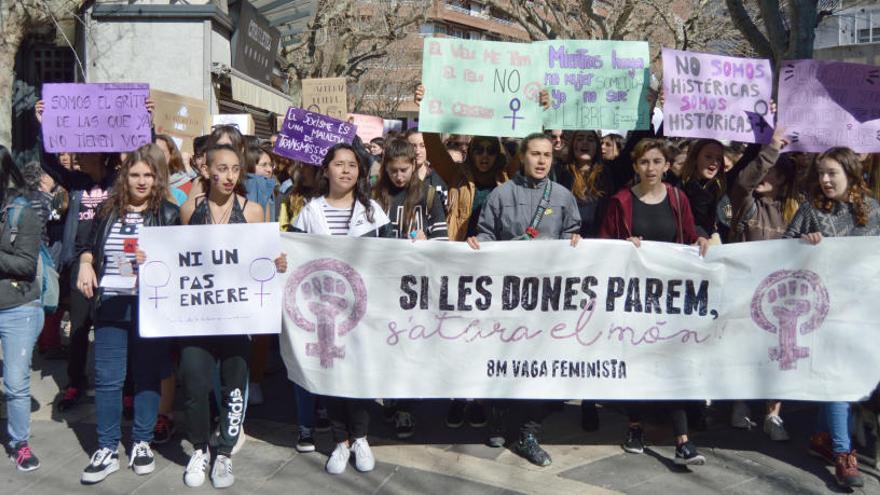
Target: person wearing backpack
x,y
21,312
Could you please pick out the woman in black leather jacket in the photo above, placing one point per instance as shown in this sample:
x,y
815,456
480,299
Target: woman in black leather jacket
x,y
108,267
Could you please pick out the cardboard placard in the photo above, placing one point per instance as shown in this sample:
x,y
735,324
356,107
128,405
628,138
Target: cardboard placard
x,y
327,96
181,117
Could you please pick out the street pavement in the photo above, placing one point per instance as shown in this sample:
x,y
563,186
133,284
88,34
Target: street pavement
x,y
437,459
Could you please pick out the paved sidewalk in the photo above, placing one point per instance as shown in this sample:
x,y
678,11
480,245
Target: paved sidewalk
x,y
437,460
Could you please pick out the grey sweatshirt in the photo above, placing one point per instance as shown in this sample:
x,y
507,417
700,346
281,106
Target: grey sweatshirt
x,y
510,207
838,223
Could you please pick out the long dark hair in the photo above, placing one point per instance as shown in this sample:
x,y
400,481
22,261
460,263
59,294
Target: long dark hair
x,y
361,187
11,178
399,149
689,171
151,155
495,144
209,157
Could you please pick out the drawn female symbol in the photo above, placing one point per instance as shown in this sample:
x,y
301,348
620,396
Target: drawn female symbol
x,y
262,270
156,275
515,105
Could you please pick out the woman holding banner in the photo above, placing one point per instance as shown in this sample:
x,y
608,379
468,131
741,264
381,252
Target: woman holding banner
x,y
654,211
538,209
21,314
416,211
840,206
223,202
343,207
107,272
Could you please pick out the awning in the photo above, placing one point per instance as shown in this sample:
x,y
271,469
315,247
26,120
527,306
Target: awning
x,y
256,94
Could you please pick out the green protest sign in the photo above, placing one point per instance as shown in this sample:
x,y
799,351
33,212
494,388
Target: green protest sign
x,y
491,88
483,88
595,84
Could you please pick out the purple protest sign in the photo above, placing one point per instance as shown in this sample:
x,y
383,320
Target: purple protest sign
x,y
823,104
306,136
718,97
95,118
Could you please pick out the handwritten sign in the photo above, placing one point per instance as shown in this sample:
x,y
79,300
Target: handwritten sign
x,y
823,104
180,117
382,318
327,96
202,280
368,126
712,96
95,118
484,88
306,136
595,84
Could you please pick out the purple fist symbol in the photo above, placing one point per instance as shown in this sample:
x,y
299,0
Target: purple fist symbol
x,y
336,298
791,297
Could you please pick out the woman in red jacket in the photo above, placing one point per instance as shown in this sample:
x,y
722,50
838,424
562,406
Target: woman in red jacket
x,y
654,211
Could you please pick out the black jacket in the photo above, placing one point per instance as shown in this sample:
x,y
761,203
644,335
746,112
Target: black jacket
x,y
169,214
18,260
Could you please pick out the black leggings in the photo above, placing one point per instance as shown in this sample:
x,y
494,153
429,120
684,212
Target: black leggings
x,y
80,325
676,412
198,362
349,418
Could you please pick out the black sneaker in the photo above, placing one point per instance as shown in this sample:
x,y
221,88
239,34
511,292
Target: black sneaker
x,y
635,440
404,424
104,462
686,455
528,447
322,421
497,427
455,414
306,441
476,415
24,459
389,410
141,460
589,416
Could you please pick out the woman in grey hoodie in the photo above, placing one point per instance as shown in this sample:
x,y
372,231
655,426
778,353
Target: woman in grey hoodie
x,y
529,206
840,205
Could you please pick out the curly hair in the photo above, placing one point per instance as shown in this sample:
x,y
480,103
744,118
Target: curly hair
x,y
858,189
120,198
362,186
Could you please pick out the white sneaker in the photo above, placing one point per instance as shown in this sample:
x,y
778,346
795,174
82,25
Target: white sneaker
x,y
255,394
221,474
773,426
338,459
142,460
739,417
363,456
103,463
195,469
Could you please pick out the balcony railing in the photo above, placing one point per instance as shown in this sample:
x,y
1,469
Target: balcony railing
x,y
462,10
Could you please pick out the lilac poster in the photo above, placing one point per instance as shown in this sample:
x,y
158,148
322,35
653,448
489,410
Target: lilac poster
x,y
306,136
95,118
823,104
713,96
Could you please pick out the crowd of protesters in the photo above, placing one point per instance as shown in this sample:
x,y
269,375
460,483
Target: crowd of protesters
x,y
87,210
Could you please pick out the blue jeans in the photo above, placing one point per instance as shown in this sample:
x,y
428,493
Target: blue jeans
x,y
305,407
19,328
116,341
834,418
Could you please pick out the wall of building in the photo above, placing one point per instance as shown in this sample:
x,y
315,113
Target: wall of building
x,y
169,56
868,53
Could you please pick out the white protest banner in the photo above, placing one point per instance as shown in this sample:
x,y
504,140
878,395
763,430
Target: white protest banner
x,y
717,97
605,320
202,280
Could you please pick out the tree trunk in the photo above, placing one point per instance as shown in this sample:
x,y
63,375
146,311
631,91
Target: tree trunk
x,y
11,35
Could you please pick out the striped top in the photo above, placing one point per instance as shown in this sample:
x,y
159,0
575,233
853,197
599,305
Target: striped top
x,y
120,246
338,219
